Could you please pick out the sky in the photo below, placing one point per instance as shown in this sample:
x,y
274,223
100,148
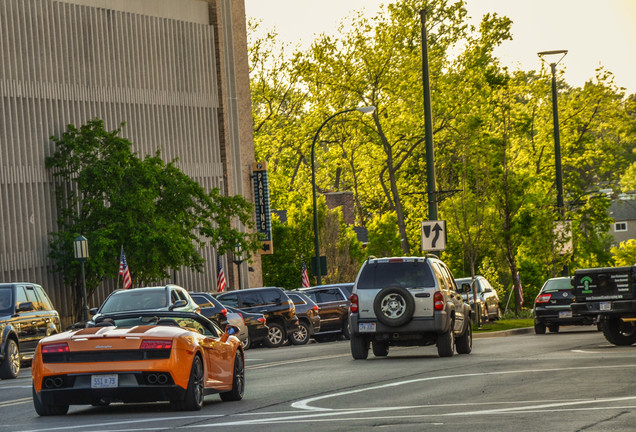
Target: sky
x,y
595,32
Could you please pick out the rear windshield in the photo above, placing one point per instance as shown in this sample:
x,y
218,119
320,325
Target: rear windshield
x,y
142,299
404,274
557,285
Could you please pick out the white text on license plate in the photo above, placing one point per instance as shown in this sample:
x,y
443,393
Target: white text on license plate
x,y
565,314
605,306
366,327
104,381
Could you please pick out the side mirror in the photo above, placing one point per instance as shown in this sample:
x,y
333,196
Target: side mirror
x,y
24,307
178,304
465,287
231,330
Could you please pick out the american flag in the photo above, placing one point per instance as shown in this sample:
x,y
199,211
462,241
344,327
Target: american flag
x,y
220,276
305,276
123,270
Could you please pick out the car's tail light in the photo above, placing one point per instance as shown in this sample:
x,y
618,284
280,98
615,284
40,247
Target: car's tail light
x,y
155,344
224,312
55,348
438,301
353,306
543,298
261,320
316,308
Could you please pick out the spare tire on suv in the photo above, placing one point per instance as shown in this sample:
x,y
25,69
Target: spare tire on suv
x,y
408,301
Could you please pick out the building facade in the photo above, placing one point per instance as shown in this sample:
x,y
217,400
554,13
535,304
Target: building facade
x,y
175,71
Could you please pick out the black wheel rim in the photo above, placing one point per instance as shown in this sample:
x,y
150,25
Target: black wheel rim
x,y
197,381
239,375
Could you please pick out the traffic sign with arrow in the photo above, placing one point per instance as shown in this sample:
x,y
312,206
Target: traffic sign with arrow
x,y
433,235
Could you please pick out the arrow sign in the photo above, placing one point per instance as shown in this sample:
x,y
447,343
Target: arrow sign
x,y
433,235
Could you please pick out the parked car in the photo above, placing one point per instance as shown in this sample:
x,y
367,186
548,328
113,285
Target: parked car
x,y
333,301
212,309
159,298
308,315
272,302
408,301
165,356
552,307
256,326
487,297
26,316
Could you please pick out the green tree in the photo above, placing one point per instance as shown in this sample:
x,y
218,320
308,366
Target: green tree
x,y
625,253
106,192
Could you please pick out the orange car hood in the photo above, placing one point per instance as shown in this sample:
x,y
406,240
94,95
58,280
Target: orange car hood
x,y
113,337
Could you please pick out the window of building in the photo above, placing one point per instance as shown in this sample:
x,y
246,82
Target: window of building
x,y
620,226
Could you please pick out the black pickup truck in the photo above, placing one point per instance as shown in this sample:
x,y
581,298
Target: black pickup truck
x,y
610,294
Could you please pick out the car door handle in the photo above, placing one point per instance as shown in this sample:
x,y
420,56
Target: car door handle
x,y
342,305
424,295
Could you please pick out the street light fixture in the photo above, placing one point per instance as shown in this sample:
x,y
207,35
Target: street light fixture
x,y
558,55
363,110
80,249
238,259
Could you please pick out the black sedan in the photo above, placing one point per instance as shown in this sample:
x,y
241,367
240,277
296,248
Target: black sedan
x,y
552,307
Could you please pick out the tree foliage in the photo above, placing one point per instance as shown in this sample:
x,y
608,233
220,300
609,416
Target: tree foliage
x,y
162,218
493,137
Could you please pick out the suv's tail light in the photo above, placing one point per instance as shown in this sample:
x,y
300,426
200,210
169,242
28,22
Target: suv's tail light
x,y
543,298
55,348
316,308
353,306
224,312
438,301
261,320
156,344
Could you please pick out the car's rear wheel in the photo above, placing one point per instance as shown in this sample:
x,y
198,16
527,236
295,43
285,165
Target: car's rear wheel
x,y
45,409
359,347
446,343
380,349
464,343
300,336
10,366
238,380
275,336
618,332
539,328
554,328
194,393
247,342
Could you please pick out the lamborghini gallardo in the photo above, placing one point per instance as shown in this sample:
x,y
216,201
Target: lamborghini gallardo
x,y
131,357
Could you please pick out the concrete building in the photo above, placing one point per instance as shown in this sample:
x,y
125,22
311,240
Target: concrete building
x,y
176,71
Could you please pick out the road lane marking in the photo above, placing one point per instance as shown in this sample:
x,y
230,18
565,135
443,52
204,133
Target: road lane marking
x,y
15,402
286,362
115,423
305,403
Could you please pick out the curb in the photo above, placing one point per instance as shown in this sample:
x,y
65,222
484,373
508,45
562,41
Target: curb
x,y
504,333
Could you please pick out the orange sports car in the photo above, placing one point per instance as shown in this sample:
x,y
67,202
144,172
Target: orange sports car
x,y
142,356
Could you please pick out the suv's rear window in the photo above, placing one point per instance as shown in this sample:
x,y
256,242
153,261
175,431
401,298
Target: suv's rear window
x,y
405,274
272,296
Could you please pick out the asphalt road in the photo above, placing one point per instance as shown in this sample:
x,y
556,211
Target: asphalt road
x,y
571,381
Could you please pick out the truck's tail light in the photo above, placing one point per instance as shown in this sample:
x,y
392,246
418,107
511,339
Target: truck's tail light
x,y
353,306
155,344
55,348
438,301
543,298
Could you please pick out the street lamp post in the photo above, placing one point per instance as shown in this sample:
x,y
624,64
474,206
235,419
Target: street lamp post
x,y
80,249
238,259
364,110
555,117
557,56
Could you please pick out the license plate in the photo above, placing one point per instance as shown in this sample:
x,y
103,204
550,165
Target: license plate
x,y
104,381
565,314
366,327
605,306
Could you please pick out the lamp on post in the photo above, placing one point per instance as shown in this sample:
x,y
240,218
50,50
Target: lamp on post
x,y
364,110
556,56
80,248
238,259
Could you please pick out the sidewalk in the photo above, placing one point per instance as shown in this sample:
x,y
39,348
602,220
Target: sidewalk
x,y
504,333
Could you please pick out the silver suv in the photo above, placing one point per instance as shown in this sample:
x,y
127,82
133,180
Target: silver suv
x,y
408,301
